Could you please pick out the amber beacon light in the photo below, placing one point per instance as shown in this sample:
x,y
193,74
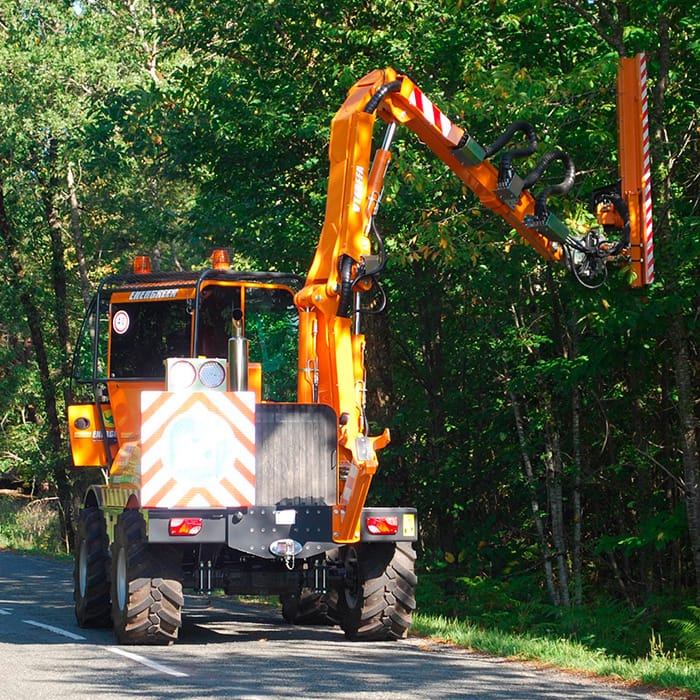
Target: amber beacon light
x,y
142,265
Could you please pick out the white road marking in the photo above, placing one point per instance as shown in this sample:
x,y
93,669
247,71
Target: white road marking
x,y
115,650
55,630
147,662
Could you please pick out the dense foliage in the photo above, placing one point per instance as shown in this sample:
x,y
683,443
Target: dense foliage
x,y
538,426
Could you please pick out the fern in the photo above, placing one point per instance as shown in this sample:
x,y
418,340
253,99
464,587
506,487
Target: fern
x,y
689,631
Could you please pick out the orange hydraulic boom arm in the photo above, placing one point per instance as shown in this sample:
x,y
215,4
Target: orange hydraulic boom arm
x,y
331,345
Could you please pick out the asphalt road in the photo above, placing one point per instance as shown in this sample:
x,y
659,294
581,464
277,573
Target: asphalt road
x,y
233,651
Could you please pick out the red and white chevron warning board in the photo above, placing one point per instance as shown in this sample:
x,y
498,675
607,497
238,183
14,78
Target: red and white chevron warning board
x,y
197,449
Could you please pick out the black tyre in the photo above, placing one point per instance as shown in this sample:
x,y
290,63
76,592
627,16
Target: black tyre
x,y
378,599
91,571
146,604
307,608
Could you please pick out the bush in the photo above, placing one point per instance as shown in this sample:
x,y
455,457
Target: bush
x,y
518,605
30,524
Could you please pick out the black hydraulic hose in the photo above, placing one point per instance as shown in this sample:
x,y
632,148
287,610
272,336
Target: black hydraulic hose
x,y
547,159
522,126
560,188
585,259
505,165
380,246
374,272
346,284
377,306
381,93
620,206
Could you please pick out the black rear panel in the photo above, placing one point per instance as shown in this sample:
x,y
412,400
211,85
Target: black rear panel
x,y
295,454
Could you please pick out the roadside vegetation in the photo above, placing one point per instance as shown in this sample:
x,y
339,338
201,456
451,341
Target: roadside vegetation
x,y
653,646
30,525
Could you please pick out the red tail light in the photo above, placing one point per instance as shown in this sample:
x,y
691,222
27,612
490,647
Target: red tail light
x,y
388,525
184,527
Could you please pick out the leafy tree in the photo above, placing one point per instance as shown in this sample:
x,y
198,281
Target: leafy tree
x,y
58,62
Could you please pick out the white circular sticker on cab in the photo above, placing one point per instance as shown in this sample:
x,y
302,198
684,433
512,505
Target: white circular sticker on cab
x,y
120,322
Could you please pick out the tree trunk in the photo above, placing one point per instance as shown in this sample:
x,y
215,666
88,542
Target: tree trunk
x,y
50,192
381,400
689,438
57,452
567,344
378,361
534,504
77,236
554,471
577,567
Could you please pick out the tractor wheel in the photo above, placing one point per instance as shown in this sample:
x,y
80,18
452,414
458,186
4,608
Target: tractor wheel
x,y
307,608
146,608
378,599
91,572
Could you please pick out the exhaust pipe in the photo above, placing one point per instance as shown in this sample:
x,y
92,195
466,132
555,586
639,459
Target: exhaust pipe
x,y
238,355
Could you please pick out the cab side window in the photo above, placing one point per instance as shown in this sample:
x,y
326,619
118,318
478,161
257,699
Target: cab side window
x,y
272,327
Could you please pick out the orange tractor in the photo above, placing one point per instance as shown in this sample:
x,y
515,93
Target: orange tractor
x,y
227,408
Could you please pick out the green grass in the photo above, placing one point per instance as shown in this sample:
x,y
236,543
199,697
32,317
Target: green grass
x,y
658,668
512,618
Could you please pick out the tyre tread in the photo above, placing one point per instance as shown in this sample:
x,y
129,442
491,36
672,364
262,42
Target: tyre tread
x,y
386,593
153,611
94,608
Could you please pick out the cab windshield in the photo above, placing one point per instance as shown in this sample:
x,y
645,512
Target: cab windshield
x,y
270,323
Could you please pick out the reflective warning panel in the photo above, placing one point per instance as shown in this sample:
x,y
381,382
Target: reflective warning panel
x,y
197,449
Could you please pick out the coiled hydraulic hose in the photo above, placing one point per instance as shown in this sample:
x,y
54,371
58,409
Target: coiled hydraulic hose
x,y
520,125
560,188
505,168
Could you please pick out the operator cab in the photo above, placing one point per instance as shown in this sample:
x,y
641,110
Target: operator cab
x,y
145,333
139,328
137,322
